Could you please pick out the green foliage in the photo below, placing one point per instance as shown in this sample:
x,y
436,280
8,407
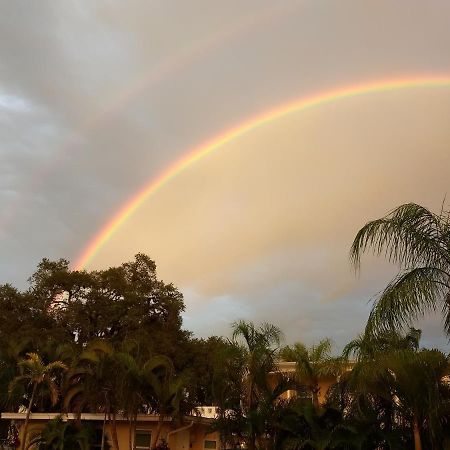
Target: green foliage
x,y
395,388
313,364
251,386
419,242
36,374
63,435
117,304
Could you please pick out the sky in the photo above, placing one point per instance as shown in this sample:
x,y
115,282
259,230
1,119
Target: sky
x,y
99,98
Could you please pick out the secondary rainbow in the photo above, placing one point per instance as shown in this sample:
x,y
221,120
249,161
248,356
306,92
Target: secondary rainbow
x,y
229,135
160,72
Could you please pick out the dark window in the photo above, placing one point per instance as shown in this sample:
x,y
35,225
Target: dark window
x,y
142,439
210,444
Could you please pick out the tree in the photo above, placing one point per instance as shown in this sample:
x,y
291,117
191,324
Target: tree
x,y
305,427
367,346
418,240
312,365
36,374
258,346
12,351
127,302
62,435
398,387
22,317
131,392
149,386
416,383
165,391
207,362
94,383
120,303
365,393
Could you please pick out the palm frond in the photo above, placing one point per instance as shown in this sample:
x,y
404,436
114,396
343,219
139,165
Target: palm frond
x,y
32,363
127,362
53,390
410,235
272,334
355,348
321,350
95,350
55,365
158,361
16,382
245,330
71,395
408,297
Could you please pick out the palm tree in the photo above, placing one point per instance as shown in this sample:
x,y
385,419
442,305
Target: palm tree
x,y
366,390
60,435
416,383
319,429
258,347
11,352
402,385
165,391
312,365
94,382
131,389
36,374
418,240
147,386
366,346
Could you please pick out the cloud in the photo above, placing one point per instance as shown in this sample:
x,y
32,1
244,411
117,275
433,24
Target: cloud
x,y
268,219
263,227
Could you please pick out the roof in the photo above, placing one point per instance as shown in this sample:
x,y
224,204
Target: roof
x,y
94,417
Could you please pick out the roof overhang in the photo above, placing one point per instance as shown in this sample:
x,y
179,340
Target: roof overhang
x,y
97,417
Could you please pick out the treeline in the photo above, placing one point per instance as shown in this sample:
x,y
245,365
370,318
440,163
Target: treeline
x,y
103,341
112,342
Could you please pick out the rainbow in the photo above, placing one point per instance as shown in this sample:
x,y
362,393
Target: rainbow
x,y
194,155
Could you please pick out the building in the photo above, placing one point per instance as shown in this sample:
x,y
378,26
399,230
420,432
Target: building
x,y
194,434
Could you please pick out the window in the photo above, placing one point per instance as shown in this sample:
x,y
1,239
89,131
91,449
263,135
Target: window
x,y
96,443
142,439
210,444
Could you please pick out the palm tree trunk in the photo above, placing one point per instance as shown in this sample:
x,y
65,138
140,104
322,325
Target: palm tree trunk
x,y
103,431
315,397
115,441
252,441
27,417
416,431
130,433
157,432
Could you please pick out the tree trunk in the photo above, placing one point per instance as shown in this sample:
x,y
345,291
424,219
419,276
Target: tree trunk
x,y
103,431
115,441
388,417
132,431
154,439
416,431
315,397
27,418
252,441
